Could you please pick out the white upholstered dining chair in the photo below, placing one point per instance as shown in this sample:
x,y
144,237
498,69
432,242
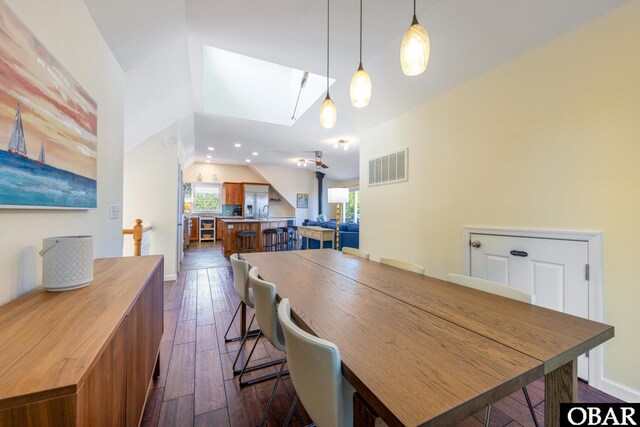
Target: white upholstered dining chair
x,y
405,265
355,252
264,294
503,291
241,284
316,373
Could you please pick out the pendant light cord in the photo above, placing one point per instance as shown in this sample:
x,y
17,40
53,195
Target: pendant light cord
x,y
328,19
414,7
361,32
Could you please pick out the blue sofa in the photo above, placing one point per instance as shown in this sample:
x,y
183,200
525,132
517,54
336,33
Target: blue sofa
x,y
349,235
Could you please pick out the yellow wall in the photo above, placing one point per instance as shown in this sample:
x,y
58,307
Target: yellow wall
x,y
218,172
548,140
66,29
151,194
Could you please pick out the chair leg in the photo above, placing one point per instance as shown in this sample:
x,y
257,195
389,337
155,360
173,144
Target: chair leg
x,y
251,333
244,339
533,414
487,416
273,394
293,408
246,368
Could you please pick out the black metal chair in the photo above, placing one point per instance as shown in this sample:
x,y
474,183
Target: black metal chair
x,y
247,241
271,239
293,237
283,238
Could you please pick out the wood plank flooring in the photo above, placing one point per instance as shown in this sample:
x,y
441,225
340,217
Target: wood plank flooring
x,y
196,385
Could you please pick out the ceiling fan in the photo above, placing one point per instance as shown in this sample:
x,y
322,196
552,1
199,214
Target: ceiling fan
x,y
318,161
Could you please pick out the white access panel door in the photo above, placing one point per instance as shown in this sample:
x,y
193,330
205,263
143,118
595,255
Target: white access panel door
x,y
554,271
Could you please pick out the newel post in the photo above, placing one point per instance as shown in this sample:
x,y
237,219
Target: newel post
x,y
137,238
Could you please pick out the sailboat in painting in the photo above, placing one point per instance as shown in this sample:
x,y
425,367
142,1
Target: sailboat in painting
x,y
16,142
41,158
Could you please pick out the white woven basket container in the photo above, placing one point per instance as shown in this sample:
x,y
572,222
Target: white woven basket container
x,y
67,262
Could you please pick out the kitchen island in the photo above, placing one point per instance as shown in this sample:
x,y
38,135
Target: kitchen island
x,y
230,228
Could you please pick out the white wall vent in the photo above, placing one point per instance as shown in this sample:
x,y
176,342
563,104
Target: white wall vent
x,y
389,168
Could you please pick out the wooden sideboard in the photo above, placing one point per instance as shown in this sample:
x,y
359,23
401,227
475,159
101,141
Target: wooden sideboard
x,y
83,357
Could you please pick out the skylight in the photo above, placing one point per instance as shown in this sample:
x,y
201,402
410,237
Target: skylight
x,y
249,88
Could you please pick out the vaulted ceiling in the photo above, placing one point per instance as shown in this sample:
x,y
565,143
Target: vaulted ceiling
x,y
160,45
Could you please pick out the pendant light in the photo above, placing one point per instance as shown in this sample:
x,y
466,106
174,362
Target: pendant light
x,y
328,113
360,82
415,48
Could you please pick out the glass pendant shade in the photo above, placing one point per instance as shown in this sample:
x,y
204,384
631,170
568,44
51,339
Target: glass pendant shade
x,y
328,113
360,88
415,49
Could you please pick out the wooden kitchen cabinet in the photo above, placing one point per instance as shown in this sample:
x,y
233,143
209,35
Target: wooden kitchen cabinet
x,y
195,231
233,193
218,228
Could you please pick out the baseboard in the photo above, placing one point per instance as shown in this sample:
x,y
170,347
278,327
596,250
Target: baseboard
x,y
170,277
620,391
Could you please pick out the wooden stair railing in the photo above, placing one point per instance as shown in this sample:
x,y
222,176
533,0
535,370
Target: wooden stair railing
x,y
137,231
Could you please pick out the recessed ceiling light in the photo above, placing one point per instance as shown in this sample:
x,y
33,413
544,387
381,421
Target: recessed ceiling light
x,y
255,153
237,145
208,156
210,148
247,160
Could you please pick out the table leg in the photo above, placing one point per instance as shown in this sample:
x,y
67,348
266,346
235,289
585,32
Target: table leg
x,y
243,319
363,415
560,386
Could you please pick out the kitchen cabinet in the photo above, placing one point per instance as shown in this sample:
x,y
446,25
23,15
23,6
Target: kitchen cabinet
x,y
195,229
233,193
218,228
207,229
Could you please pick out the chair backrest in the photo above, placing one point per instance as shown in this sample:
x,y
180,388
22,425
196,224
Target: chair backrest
x,y
264,300
241,278
355,252
405,265
315,370
491,287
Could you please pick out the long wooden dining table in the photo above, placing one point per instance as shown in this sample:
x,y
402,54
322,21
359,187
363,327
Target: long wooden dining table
x,y
423,351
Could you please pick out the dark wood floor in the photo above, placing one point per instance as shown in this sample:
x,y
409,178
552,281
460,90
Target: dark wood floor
x,y
196,385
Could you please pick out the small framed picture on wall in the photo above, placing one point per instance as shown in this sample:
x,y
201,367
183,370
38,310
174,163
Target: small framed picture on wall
x,y
303,201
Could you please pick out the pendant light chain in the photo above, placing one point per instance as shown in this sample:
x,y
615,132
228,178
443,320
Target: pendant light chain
x,y
360,32
328,19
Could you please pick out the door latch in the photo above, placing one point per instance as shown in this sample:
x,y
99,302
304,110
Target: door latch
x,y
522,254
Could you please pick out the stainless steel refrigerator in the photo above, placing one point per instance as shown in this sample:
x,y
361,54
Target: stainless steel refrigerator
x,y
256,197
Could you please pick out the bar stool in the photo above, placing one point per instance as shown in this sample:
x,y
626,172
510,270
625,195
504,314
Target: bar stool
x,y
271,239
293,237
283,238
247,241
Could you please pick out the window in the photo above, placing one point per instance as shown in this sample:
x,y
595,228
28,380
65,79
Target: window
x,y
352,207
206,197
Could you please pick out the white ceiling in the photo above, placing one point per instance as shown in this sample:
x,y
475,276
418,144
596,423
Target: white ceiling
x,y
165,78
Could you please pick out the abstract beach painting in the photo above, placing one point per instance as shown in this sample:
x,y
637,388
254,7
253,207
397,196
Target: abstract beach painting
x,y
48,126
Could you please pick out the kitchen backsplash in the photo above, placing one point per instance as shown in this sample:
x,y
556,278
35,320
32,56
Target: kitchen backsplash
x,y
227,210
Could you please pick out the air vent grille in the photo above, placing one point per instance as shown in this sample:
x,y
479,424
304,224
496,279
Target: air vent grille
x,y
389,168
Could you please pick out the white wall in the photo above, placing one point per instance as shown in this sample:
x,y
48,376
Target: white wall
x,y
151,193
291,181
219,173
548,140
67,30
